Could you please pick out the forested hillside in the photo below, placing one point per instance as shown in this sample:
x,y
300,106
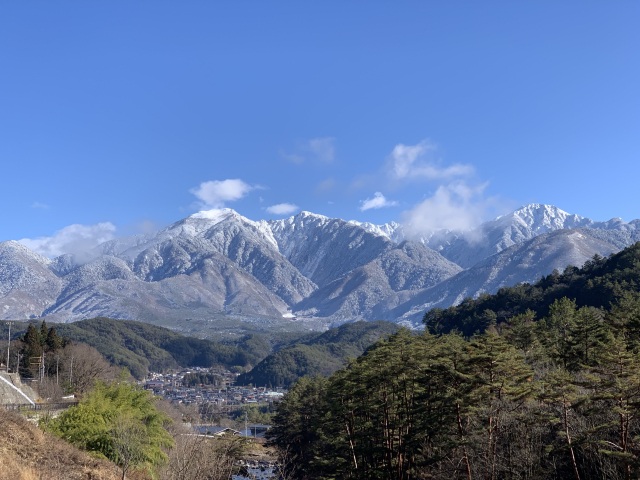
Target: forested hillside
x,y
322,354
279,359
142,347
600,283
549,390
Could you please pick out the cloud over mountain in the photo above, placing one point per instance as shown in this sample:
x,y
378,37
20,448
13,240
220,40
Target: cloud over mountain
x,y
219,264
216,193
377,201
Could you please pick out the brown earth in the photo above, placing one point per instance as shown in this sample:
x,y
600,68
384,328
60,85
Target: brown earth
x,y
28,453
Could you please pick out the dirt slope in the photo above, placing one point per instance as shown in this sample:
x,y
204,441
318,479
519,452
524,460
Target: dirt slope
x,y
27,453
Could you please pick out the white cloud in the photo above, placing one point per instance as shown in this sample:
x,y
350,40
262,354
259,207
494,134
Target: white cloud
x,y
377,201
458,207
73,239
323,149
282,209
326,185
40,205
292,157
417,161
215,193
320,150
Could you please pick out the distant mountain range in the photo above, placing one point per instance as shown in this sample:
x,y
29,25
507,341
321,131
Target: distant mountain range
x,y
218,265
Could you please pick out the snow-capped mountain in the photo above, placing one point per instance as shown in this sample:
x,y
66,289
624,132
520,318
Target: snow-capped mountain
x,y
217,264
324,249
522,262
27,283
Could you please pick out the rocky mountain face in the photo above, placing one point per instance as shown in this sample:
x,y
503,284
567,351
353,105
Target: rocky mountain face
x,y
219,264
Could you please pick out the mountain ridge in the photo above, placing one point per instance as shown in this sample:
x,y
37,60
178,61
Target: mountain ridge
x,y
305,268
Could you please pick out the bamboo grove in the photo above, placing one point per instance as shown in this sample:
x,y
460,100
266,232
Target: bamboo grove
x,y
555,397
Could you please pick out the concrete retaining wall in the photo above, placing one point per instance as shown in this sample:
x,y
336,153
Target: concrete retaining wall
x,y
13,391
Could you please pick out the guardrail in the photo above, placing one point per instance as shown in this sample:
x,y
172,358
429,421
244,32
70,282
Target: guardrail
x,y
39,406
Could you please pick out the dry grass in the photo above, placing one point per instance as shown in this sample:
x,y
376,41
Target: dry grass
x,y
27,453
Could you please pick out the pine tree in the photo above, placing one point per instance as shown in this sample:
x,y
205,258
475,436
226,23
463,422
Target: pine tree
x,y
615,382
296,431
588,336
31,353
556,332
560,393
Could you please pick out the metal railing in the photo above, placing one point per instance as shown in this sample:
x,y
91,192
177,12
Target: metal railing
x,y
39,406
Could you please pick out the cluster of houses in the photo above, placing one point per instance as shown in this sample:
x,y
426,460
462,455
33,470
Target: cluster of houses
x,y
224,396
225,393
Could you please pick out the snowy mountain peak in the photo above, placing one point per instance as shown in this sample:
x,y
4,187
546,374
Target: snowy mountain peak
x,y
217,262
202,221
13,248
305,215
389,230
540,218
297,222
215,215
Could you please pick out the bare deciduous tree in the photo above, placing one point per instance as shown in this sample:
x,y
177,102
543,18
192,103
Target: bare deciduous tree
x,y
82,365
200,457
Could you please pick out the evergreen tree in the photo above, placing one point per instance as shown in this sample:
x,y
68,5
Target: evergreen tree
x,y
31,353
120,422
44,333
53,341
562,397
556,332
588,336
297,424
615,382
503,384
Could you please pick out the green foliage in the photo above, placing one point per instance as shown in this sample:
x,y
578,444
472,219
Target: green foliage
x,y
38,346
253,413
201,378
600,283
118,421
552,392
31,352
321,354
297,427
141,347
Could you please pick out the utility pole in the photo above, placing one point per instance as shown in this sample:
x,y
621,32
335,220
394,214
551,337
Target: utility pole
x,y
8,346
18,356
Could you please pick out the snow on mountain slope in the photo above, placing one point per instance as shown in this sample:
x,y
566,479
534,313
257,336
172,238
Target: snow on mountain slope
x,y
247,244
210,291
371,290
392,230
523,262
468,248
324,249
218,263
27,285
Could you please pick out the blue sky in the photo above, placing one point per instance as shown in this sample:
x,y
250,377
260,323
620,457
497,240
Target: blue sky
x,y
117,117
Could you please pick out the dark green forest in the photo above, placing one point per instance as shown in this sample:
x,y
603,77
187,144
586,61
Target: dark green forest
x,y
141,347
322,354
537,382
600,283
